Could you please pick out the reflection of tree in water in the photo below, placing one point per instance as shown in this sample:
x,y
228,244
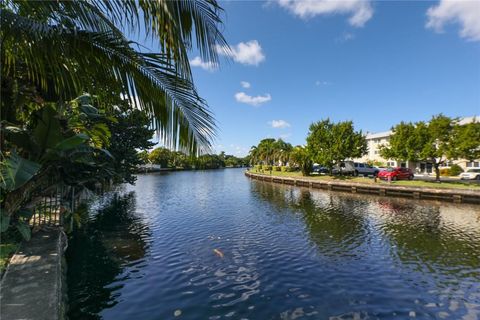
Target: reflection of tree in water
x,y
335,224
423,236
98,253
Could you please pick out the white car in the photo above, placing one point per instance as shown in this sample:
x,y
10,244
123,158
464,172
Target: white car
x,y
471,174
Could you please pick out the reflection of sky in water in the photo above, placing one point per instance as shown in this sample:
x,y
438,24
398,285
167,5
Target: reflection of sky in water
x,y
216,245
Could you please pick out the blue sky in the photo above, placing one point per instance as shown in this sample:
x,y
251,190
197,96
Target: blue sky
x,y
375,63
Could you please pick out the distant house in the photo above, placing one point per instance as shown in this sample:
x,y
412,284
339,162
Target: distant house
x,y
375,140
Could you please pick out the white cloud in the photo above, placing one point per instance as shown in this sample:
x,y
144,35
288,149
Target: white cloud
x,y
250,52
465,13
245,84
322,83
360,10
205,65
252,100
279,124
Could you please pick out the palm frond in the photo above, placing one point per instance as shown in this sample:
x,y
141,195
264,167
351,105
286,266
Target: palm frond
x,y
149,80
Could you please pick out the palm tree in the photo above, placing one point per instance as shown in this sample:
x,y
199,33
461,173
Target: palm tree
x,y
282,151
65,48
266,150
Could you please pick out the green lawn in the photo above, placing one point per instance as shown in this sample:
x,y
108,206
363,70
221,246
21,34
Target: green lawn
x,y
413,183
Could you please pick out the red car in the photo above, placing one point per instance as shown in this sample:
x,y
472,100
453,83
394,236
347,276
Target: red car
x,y
396,174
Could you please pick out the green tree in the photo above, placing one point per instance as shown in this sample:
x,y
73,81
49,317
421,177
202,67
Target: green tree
x,y
466,141
143,157
130,132
266,151
436,140
161,156
432,142
282,150
330,143
301,156
404,143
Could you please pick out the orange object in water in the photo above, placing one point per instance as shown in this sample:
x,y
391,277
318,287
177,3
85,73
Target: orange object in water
x,y
218,253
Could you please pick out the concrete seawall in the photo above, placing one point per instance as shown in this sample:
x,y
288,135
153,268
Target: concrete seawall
x,y
33,286
443,194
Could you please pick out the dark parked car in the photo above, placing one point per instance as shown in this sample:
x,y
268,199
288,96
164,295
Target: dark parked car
x,y
396,174
320,169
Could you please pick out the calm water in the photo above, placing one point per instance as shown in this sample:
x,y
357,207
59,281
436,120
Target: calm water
x,y
288,253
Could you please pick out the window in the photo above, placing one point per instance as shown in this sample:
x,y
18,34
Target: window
x,y
473,164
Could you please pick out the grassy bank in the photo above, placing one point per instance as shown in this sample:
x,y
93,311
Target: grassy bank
x,y
365,180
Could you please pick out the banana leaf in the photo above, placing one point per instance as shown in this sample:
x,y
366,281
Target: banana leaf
x,y
16,171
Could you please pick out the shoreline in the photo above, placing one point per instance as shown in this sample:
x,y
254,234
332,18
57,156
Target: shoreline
x,y
426,193
152,170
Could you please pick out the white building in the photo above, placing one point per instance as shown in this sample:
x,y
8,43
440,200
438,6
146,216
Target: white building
x,y
376,140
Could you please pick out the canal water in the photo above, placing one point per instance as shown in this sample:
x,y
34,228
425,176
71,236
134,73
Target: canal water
x,y
216,245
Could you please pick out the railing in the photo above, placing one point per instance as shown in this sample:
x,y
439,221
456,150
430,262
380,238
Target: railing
x,y
49,207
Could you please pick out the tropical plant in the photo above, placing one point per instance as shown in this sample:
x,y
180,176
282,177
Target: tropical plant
x,y
64,48
302,157
60,144
270,151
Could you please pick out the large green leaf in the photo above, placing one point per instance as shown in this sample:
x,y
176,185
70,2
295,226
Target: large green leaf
x,y
16,171
24,230
72,142
83,44
47,133
4,222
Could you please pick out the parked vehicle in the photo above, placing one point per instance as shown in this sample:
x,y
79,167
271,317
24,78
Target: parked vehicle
x,y
319,169
345,168
365,169
396,174
470,174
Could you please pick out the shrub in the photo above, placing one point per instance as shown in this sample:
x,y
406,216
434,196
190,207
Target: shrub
x,y
445,172
455,170
258,167
277,168
267,167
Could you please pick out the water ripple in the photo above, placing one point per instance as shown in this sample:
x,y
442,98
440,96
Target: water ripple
x,y
215,245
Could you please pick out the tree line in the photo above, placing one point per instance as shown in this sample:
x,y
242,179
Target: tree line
x,y
179,160
328,143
